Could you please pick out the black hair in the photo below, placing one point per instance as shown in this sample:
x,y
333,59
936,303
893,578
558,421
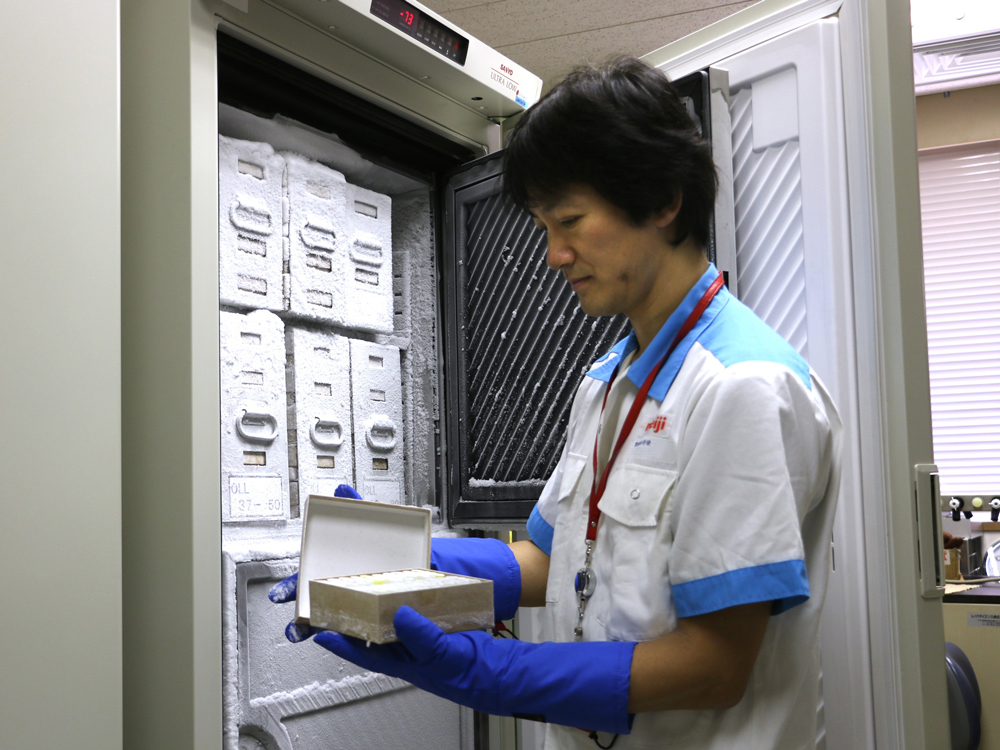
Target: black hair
x,y
622,129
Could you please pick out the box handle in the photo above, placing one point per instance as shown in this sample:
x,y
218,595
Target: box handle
x,y
326,432
251,426
381,433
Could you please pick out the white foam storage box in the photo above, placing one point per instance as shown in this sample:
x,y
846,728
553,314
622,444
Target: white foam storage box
x,y
254,441
343,539
251,225
369,288
377,400
324,449
318,237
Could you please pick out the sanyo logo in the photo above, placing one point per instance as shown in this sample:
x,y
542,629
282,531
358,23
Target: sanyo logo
x,y
505,69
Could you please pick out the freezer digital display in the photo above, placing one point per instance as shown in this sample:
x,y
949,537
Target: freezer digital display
x,y
427,30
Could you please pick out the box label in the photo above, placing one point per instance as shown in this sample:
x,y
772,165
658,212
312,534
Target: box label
x,y
255,498
383,491
983,620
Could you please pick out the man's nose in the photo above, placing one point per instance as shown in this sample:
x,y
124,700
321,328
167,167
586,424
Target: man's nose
x,y
558,253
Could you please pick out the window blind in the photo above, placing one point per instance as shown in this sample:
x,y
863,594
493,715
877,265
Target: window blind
x,y
960,209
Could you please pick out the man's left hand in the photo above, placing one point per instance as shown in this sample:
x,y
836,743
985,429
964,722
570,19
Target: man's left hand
x,y
581,685
456,666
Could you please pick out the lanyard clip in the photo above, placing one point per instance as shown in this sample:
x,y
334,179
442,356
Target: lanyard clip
x,y
586,579
585,583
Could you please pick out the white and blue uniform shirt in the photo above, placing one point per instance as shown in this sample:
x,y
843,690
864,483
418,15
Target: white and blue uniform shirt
x,y
724,494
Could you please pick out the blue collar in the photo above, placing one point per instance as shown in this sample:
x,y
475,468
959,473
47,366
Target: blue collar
x,y
640,369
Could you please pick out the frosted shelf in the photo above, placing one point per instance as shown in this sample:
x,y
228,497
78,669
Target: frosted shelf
x,y
363,606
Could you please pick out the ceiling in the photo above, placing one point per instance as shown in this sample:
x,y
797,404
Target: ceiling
x,y
551,37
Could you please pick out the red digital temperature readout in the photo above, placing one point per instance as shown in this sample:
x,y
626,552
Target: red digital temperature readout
x,y
423,28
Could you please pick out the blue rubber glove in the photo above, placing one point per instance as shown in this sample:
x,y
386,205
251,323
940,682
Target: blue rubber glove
x,y
482,558
583,685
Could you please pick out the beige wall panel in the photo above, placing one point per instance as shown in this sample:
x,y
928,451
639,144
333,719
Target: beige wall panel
x,y
964,116
60,338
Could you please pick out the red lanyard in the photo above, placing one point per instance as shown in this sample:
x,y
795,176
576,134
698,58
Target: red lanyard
x,y
597,491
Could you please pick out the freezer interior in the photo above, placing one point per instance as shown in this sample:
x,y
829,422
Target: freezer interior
x,y
328,312
340,362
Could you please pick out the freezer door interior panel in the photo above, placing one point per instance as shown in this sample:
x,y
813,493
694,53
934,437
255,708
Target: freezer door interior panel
x,y
517,345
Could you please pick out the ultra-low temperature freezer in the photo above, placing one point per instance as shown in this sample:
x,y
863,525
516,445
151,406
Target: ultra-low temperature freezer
x,y
343,197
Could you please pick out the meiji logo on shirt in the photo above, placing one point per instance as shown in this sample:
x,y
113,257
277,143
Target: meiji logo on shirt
x,y
655,448
658,424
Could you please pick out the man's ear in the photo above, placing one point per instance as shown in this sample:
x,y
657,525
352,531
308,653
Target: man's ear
x,y
666,215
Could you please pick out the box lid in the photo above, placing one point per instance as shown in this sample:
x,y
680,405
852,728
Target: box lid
x,y
343,537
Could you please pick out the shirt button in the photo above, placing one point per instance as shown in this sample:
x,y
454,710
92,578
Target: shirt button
x,y
635,494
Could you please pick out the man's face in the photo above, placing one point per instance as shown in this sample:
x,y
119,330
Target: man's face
x,y
610,263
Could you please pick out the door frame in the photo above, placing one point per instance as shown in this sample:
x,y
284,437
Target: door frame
x,y
905,631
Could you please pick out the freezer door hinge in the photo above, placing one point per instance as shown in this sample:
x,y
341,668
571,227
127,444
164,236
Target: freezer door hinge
x,y
930,553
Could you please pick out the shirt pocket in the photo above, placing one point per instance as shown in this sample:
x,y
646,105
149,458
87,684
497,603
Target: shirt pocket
x,y
636,530
569,524
635,495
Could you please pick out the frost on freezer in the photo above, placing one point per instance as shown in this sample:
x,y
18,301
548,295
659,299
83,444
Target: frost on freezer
x,y
363,606
369,278
340,249
254,448
317,238
322,451
377,397
328,238
251,230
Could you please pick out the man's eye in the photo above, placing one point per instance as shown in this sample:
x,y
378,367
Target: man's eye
x,y
570,221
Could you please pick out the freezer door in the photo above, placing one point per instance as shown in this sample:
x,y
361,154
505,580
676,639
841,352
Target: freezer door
x,y
793,256
817,264
516,346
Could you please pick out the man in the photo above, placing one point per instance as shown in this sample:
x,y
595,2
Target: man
x,y
681,546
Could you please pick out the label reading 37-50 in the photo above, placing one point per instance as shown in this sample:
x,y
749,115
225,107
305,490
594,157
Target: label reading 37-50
x,y
255,497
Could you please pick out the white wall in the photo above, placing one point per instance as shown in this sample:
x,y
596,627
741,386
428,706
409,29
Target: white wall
x,y
60,391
